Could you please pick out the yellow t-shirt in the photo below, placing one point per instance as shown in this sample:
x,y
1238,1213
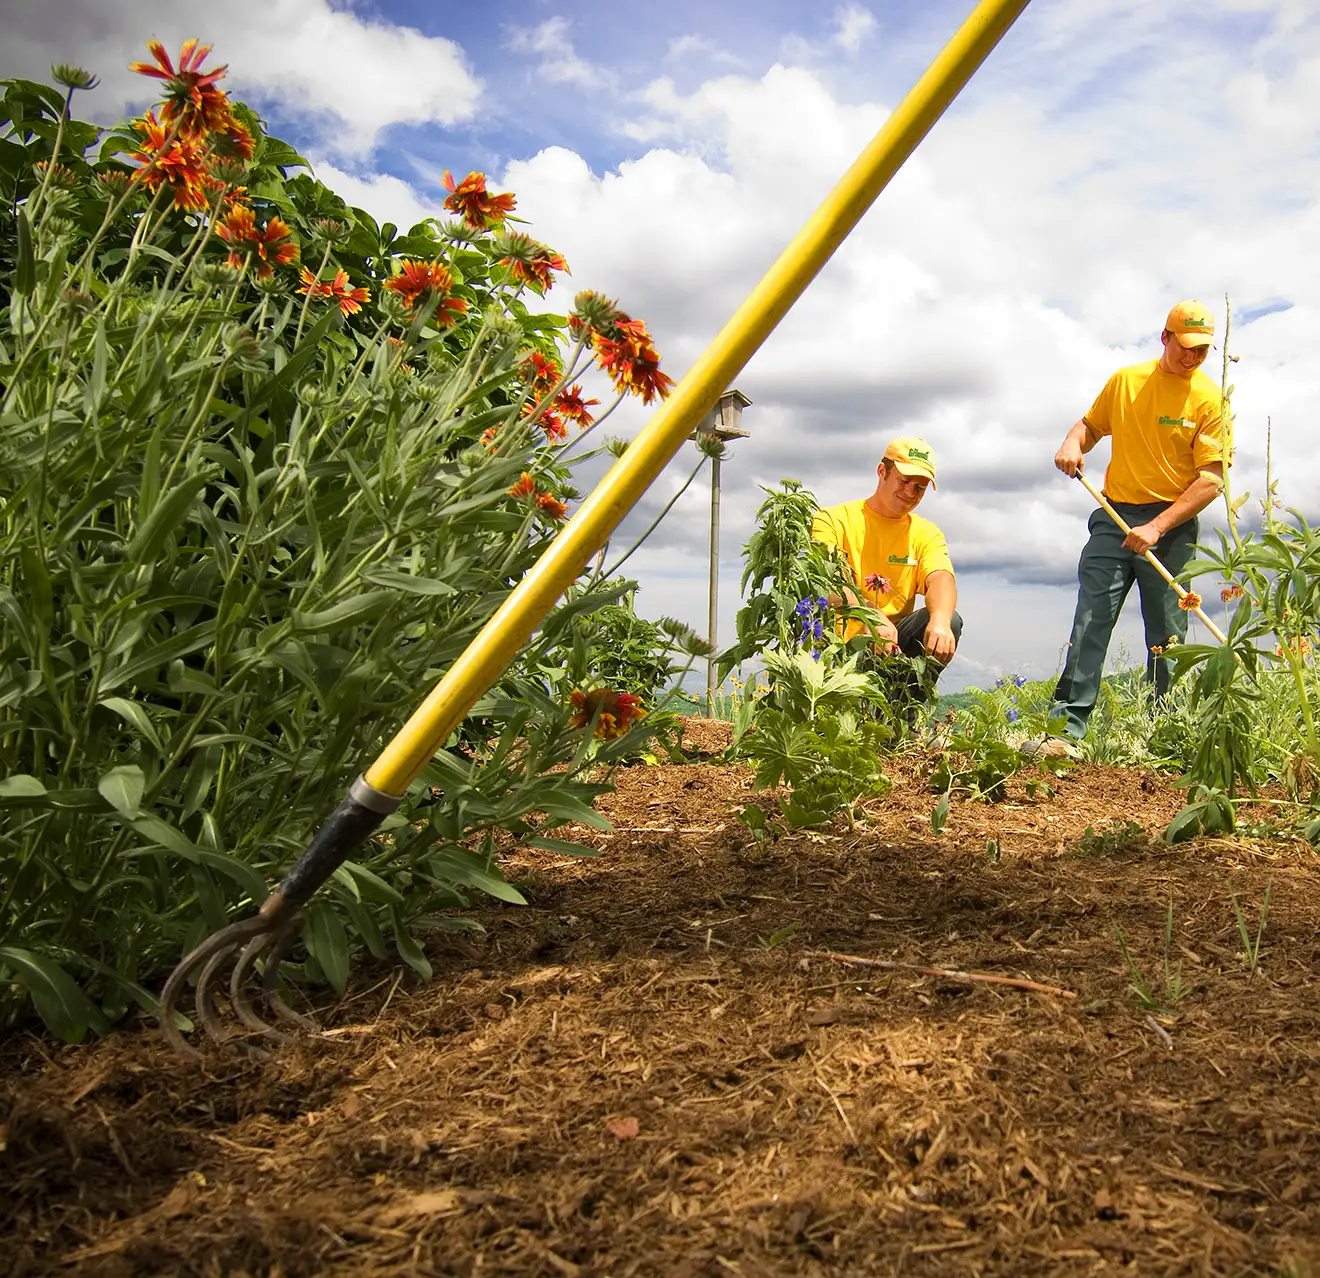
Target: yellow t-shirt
x,y
1165,428
902,552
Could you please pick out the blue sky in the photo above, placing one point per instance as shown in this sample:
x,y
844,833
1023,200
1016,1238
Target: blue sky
x,y
1112,157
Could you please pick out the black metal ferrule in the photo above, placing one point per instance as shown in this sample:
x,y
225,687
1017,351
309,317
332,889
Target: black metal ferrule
x,y
344,830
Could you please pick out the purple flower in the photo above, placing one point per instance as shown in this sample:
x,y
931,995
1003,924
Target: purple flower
x,y
1011,716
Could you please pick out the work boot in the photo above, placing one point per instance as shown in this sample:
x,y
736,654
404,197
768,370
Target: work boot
x,y
1048,747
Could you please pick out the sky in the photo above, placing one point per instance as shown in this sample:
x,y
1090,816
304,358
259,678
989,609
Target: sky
x,y
1110,158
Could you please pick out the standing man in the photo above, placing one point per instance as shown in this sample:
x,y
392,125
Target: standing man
x,y
1166,466
896,555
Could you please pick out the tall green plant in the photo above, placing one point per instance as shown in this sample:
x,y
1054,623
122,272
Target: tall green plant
x,y
244,525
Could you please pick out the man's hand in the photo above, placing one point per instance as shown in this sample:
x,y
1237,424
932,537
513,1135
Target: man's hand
x,y
1142,538
939,641
886,635
1069,457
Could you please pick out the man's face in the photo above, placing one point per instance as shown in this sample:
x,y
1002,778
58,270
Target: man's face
x,y
899,494
1179,359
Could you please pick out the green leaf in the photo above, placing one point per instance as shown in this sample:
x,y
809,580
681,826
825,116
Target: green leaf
x,y
25,268
64,1009
348,612
122,789
165,519
326,939
940,814
135,715
408,948
22,786
563,808
562,846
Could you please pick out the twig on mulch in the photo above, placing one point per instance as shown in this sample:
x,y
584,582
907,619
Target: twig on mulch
x,y
1160,1032
987,977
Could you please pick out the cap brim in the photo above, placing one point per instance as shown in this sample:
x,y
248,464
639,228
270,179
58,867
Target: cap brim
x,y
1191,340
913,472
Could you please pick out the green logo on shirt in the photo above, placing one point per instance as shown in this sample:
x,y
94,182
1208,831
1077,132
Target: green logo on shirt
x,y
1173,421
902,559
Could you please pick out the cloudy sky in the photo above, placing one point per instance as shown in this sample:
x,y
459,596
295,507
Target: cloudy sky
x,y
1111,157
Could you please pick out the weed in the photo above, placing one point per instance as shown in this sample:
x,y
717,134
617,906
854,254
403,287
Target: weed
x,y
1250,944
1173,988
1110,838
779,936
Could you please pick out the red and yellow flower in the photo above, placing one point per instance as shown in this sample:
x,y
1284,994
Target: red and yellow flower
x,y
173,161
350,299
419,281
613,712
525,487
1189,601
570,405
479,208
529,262
630,360
269,244
540,372
192,102
1234,591
551,505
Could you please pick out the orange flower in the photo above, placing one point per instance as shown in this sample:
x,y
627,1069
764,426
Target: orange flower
x,y
1189,601
530,262
1230,592
570,405
417,281
613,712
553,425
525,487
176,163
540,372
630,360
490,439
479,208
350,299
269,243
552,506
191,99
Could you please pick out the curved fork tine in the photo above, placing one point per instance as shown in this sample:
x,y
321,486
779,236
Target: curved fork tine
x,y
238,995
271,989
222,942
207,1011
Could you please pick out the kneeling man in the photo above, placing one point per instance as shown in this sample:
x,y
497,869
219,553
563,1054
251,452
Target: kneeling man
x,y
895,556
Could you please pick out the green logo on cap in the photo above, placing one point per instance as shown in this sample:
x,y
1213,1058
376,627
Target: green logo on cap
x,y
915,454
1196,323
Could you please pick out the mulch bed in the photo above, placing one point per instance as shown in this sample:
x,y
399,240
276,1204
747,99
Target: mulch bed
x,y
646,1071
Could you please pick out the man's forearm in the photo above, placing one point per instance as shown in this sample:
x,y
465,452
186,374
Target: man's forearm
x,y
941,596
1195,498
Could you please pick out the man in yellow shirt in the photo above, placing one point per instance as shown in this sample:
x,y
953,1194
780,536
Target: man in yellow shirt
x,y
1166,466
896,555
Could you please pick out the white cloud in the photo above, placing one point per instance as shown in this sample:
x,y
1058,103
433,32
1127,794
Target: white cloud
x,y
356,75
853,25
559,62
386,198
693,47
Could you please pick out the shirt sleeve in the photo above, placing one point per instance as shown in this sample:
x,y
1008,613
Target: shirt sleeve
x,y
932,557
1099,417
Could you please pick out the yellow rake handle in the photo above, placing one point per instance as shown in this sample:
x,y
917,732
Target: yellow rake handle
x,y
1149,556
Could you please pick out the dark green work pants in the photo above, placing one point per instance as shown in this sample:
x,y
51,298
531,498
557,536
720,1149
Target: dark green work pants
x,y
1104,577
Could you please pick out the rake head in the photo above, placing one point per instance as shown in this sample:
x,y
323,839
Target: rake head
x,y
244,943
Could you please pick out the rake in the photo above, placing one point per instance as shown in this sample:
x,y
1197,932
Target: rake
x,y
380,790
1150,557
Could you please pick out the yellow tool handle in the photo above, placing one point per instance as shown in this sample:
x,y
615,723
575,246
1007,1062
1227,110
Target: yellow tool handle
x,y
1149,556
509,629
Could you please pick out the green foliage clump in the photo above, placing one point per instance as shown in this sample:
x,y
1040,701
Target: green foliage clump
x,y
245,526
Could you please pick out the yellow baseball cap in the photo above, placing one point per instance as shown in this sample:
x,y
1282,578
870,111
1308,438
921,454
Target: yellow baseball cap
x,y
913,456
1192,324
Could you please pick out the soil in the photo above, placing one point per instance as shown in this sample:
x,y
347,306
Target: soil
x,y
653,1069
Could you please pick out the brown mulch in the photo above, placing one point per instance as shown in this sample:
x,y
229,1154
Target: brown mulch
x,y
646,1072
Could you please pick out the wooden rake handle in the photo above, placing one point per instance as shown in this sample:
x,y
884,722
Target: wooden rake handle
x,y
1149,556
